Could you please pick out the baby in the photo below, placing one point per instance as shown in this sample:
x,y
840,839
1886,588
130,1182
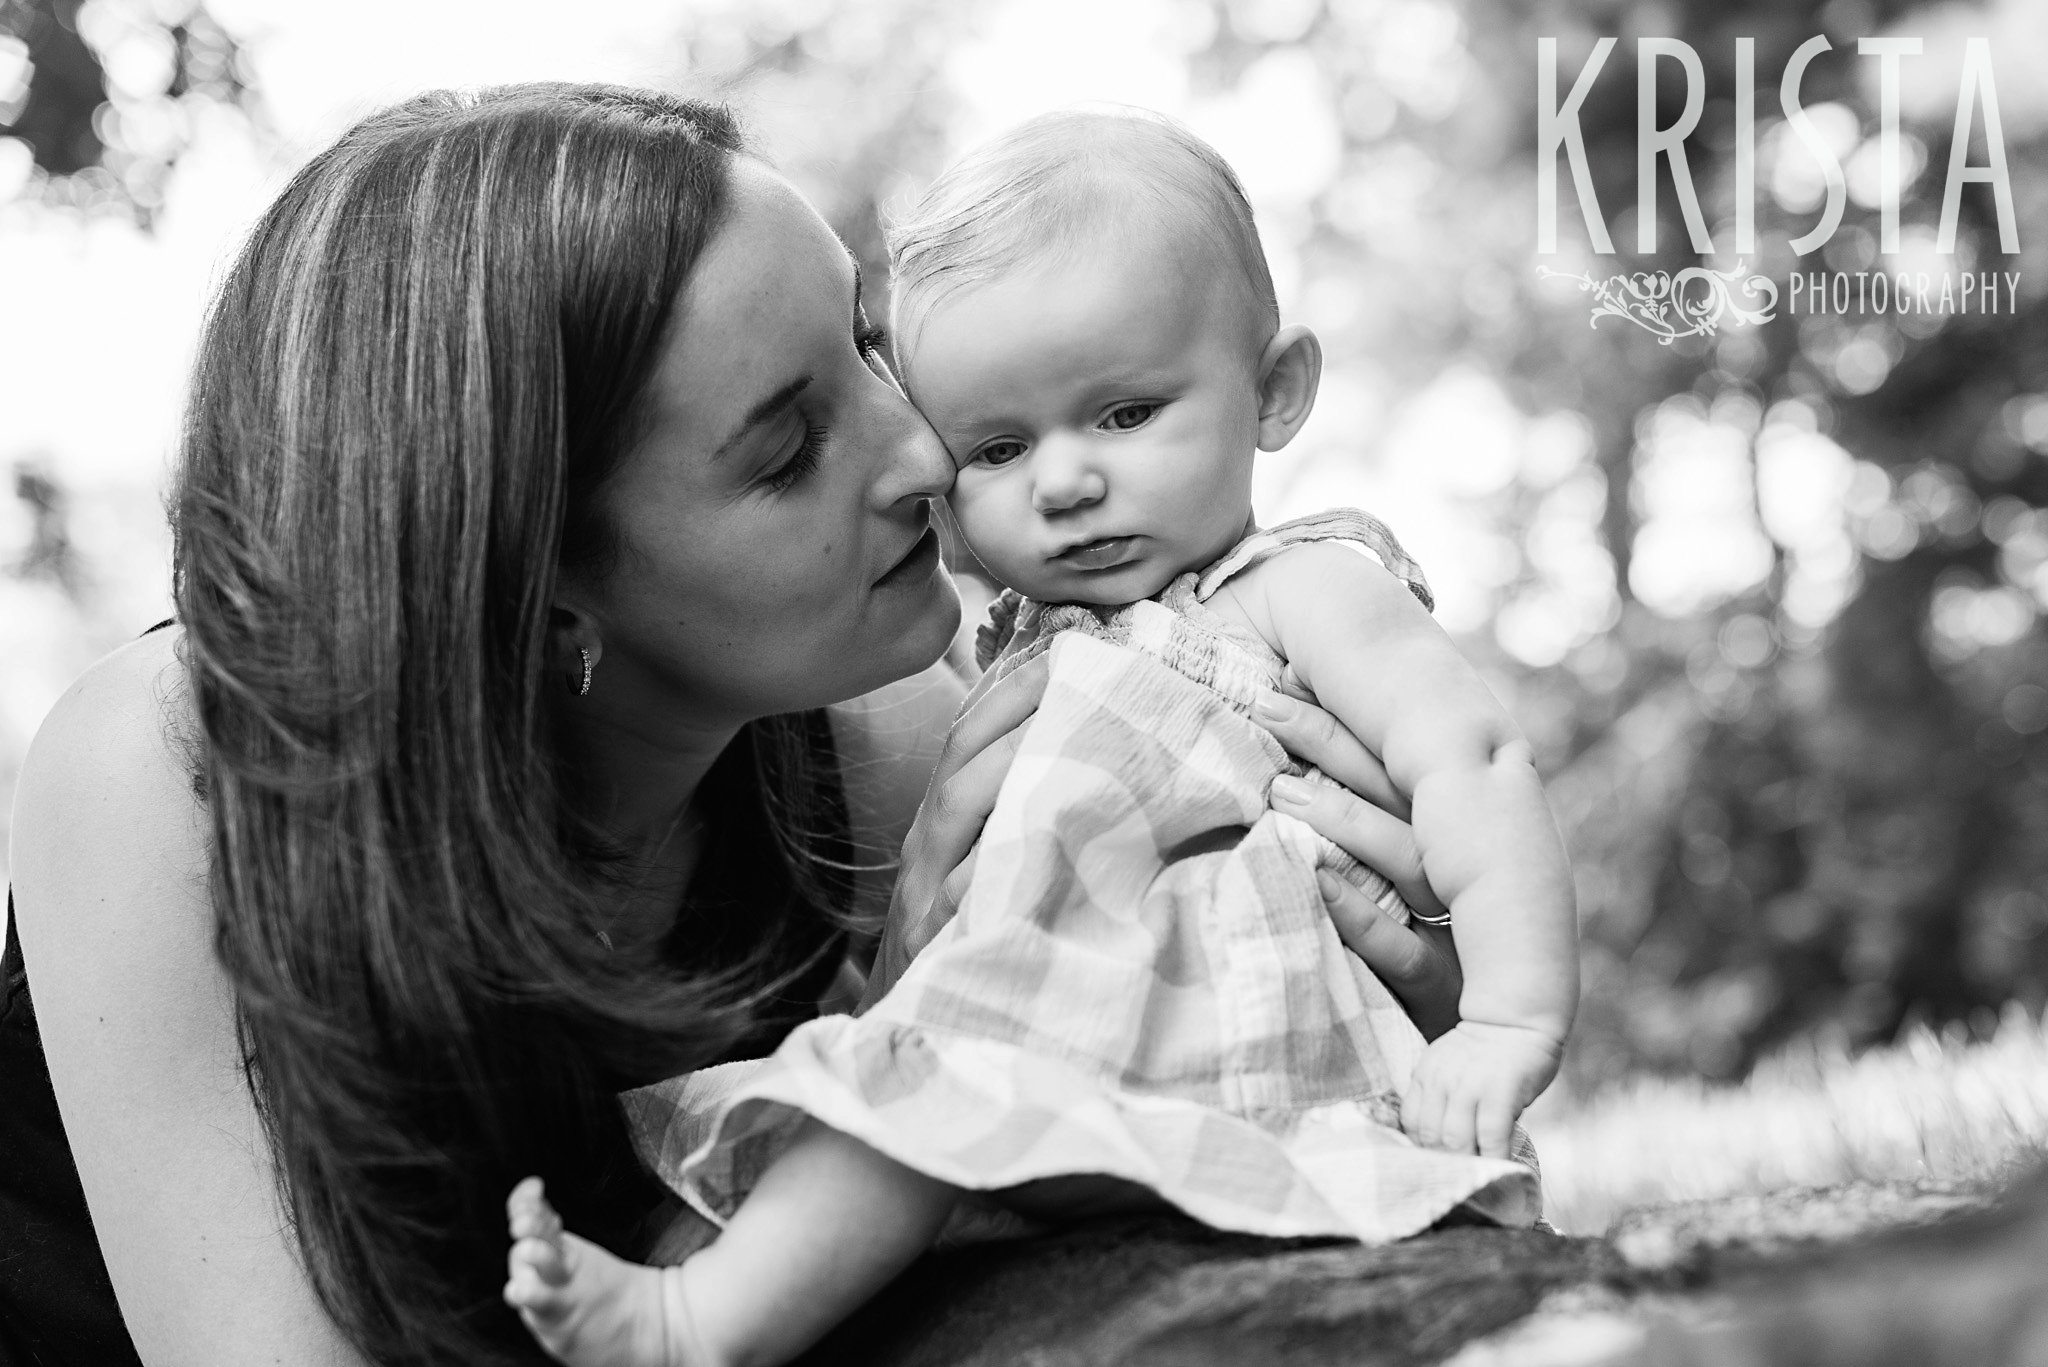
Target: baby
x,y
1141,989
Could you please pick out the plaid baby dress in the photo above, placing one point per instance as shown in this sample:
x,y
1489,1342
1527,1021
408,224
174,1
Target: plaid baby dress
x,y
1141,980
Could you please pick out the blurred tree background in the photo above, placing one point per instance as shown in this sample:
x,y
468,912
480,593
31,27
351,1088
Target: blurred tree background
x,y
1767,598
103,97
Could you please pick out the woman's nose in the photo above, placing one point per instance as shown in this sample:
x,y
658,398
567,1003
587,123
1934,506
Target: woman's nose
x,y
916,464
1063,477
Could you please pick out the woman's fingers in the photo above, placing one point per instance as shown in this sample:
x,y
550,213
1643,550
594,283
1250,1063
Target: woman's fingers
x,y
1316,737
957,807
1366,818
997,709
1413,966
916,926
953,892
1392,951
936,855
970,772
1367,833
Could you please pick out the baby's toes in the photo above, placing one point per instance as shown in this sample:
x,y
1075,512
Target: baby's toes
x,y
548,1259
528,1213
536,1279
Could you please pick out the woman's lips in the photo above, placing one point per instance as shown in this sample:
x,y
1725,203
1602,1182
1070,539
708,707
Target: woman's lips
x,y
922,555
1098,555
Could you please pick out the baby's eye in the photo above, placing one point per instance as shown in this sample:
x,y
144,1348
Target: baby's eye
x,y
998,453
1126,417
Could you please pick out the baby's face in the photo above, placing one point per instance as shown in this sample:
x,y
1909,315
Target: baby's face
x,y
1102,414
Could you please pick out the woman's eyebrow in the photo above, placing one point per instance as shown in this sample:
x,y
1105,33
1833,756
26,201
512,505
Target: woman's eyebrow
x,y
783,397
761,412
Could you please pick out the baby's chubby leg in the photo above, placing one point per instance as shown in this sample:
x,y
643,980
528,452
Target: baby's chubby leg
x,y
828,1225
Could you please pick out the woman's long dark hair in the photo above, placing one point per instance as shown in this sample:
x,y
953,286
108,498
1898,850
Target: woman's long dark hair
x,y
413,384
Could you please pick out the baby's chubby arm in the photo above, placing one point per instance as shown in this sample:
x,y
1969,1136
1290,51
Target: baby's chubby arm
x,y
1375,658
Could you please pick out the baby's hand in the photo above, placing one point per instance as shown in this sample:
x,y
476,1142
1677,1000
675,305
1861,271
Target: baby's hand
x,y
1472,1082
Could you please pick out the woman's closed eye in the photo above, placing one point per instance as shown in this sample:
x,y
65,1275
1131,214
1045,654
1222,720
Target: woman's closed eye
x,y
868,340
801,462
1128,417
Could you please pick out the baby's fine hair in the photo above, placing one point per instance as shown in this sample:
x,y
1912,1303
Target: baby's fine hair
x,y
1059,182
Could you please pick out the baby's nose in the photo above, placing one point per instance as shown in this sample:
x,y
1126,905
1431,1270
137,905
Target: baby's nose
x,y
1063,477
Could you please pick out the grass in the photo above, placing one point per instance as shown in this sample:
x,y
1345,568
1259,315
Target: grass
x,y
1926,1108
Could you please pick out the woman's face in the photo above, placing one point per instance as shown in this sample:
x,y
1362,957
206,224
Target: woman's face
x,y
778,551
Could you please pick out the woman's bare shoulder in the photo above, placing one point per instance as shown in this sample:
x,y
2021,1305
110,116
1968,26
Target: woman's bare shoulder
x,y
106,786
122,730
110,864
108,851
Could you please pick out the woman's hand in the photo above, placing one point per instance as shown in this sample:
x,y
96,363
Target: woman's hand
x,y
935,867
1418,963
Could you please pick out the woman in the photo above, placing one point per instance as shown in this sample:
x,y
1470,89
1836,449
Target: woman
x,y
543,502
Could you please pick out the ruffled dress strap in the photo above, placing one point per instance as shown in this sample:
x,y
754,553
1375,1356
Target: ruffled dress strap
x,y
1350,526
995,634
1179,628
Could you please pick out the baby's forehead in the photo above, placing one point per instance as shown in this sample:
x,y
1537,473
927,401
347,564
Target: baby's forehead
x,y
1118,182
1133,225
1171,268
1082,186
1133,254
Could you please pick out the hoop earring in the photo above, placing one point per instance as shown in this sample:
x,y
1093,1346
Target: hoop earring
x,y
583,689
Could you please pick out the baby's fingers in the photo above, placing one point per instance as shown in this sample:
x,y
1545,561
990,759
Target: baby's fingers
x,y
1496,1127
1460,1130
1422,1111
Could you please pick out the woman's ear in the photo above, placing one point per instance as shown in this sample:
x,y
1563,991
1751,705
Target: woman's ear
x,y
574,647
1290,369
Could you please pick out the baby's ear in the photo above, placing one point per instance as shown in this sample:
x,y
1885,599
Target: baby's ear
x,y
1290,368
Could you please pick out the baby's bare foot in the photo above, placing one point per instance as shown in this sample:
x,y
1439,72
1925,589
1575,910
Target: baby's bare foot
x,y
586,1307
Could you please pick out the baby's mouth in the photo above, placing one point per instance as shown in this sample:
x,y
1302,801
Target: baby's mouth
x,y
1098,555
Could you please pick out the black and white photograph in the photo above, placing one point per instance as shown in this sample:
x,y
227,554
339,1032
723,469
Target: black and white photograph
x,y
1024,683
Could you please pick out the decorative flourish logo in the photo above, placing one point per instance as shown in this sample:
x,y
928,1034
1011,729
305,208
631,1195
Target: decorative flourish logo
x,y
1669,306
